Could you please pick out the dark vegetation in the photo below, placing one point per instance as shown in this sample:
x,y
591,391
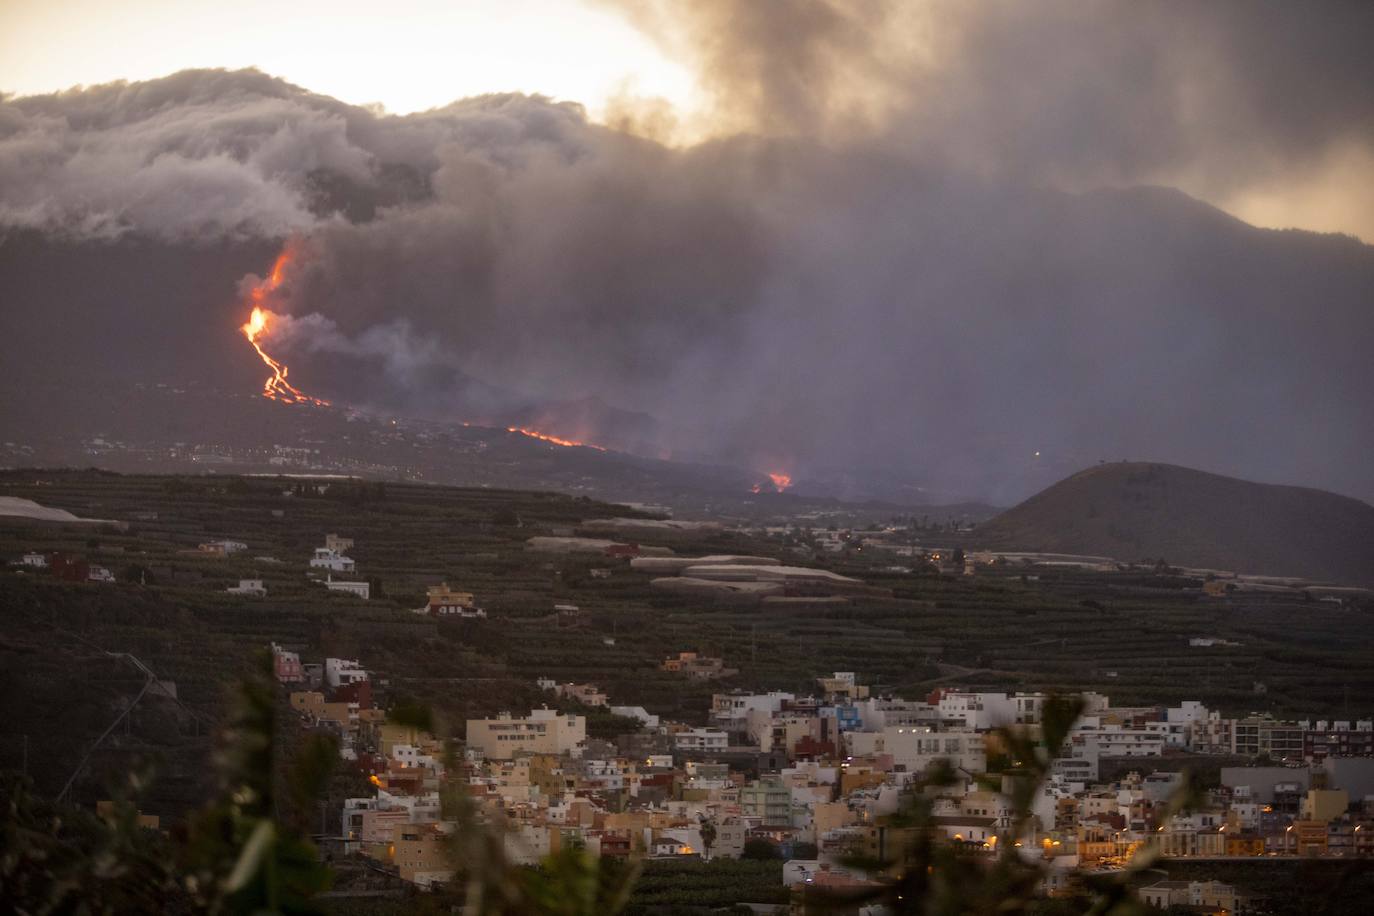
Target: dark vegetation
x,y
1125,633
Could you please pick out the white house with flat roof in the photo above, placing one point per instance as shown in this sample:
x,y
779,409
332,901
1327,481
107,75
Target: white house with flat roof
x,y
325,558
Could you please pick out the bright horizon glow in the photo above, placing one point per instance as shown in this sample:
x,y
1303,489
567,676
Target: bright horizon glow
x,y
414,55
407,55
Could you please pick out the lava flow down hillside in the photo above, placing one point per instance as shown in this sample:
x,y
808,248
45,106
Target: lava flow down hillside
x,y
276,387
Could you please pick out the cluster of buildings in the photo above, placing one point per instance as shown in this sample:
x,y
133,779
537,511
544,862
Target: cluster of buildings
x,y
697,666
221,548
332,559
335,695
66,566
817,779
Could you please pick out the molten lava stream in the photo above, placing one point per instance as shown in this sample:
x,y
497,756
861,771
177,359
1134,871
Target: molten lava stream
x,y
276,387
545,437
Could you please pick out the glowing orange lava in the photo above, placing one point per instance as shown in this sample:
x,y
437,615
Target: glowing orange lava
x,y
780,480
276,388
545,437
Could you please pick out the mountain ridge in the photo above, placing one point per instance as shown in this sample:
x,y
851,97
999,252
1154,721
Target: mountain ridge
x,y
1151,510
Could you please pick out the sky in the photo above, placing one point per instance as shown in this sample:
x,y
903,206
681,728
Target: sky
x,y
420,54
614,56
974,243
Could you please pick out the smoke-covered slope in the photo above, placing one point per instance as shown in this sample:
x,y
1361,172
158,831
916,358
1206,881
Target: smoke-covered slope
x,y
781,304
1151,511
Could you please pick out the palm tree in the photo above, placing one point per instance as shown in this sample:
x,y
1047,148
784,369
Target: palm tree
x,y
708,837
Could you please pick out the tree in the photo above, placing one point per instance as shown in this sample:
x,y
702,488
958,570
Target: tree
x,y
708,837
759,850
237,855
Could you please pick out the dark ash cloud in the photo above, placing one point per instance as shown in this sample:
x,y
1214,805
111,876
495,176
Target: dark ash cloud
x,y
912,243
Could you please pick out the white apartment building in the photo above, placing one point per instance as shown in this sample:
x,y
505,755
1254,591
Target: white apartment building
x,y
878,713
341,671
916,748
980,711
1112,740
731,710
701,739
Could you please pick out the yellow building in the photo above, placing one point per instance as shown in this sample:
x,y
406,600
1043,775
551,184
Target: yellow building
x,y
307,701
852,778
389,735
1325,804
444,600
1310,838
544,731
832,815
421,853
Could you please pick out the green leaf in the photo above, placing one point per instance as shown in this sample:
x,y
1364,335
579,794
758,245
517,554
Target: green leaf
x,y
250,860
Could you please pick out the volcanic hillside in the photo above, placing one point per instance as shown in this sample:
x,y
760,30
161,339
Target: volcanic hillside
x,y
1133,510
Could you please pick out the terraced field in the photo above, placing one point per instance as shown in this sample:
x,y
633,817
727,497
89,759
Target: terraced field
x,y
1123,633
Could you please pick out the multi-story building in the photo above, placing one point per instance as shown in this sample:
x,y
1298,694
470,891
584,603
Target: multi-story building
x,y
916,748
421,853
447,602
842,685
1110,740
1337,739
769,799
1212,734
730,711
1255,735
341,671
701,739
286,666
544,731
325,558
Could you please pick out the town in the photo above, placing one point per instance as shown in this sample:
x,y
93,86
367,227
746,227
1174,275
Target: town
x,y
650,458
654,691
814,780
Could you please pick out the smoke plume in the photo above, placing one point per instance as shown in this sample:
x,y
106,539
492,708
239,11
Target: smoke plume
x,y
932,238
